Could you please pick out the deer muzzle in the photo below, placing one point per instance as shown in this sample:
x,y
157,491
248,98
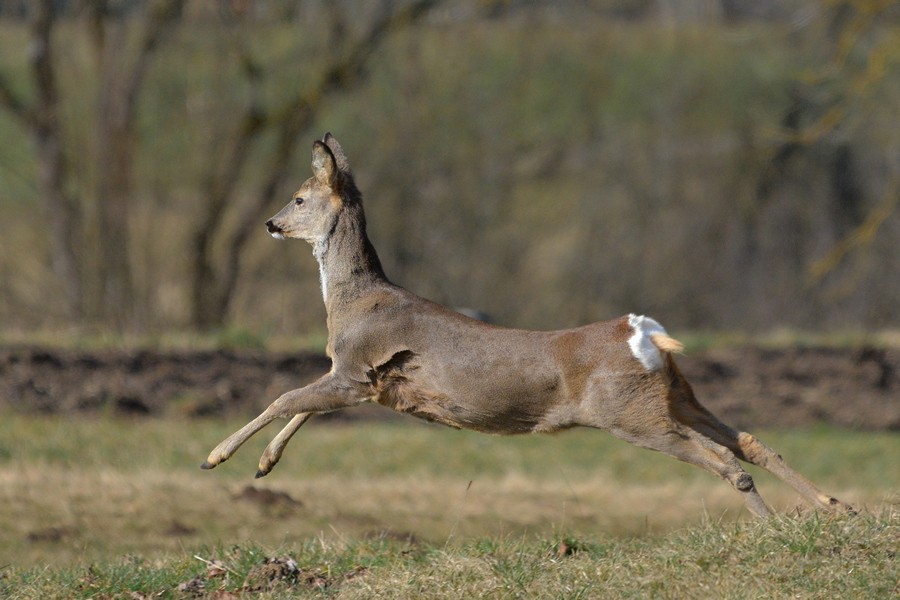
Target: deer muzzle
x,y
274,230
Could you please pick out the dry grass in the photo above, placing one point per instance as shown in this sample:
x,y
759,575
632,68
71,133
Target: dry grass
x,y
80,491
118,509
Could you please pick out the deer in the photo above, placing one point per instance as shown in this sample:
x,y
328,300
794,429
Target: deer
x,y
391,347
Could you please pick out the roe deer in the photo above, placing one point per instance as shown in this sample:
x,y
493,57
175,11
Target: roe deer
x,y
392,347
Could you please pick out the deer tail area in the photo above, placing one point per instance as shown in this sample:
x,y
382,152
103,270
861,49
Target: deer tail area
x,y
650,343
666,343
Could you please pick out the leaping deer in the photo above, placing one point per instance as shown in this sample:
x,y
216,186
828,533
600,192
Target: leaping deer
x,y
389,346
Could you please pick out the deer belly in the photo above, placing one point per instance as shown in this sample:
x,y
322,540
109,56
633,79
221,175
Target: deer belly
x,y
502,412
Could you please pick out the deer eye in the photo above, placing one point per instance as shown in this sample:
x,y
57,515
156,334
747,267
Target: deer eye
x,y
298,201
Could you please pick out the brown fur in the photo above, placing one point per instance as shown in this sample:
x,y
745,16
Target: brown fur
x,y
391,347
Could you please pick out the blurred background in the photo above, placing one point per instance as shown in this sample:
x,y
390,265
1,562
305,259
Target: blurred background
x,y
731,168
722,165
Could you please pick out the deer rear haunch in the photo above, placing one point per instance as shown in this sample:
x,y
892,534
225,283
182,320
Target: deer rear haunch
x,y
394,348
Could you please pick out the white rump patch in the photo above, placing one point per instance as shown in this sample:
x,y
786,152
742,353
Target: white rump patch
x,y
641,342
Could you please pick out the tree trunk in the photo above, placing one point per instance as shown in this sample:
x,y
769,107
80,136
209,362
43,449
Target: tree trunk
x,y
121,87
62,210
115,142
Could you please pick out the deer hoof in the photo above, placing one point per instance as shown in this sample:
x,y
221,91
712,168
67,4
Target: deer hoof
x,y
836,505
744,482
206,466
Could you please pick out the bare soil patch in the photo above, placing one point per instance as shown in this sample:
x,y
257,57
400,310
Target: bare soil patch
x,y
747,387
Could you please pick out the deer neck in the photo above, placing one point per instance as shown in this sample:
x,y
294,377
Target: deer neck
x,y
348,263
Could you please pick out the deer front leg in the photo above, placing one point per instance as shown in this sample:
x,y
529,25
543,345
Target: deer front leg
x,y
272,454
323,395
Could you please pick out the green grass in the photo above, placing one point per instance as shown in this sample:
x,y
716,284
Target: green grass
x,y
87,339
92,339
699,341
104,508
410,447
784,557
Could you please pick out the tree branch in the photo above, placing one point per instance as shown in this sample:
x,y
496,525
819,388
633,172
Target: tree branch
x,y
348,70
62,208
14,103
861,236
291,119
162,14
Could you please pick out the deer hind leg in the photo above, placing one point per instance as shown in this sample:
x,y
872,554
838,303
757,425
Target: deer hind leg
x,y
692,447
757,453
749,449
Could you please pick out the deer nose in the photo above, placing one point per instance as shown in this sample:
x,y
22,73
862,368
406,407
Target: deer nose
x,y
271,228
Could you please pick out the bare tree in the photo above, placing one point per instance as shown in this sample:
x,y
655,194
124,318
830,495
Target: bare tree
x,y
105,292
215,274
853,25
41,116
121,82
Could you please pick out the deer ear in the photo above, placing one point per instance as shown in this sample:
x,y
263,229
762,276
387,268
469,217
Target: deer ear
x,y
340,158
323,164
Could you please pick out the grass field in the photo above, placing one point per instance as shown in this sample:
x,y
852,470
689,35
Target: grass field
x,y
118,508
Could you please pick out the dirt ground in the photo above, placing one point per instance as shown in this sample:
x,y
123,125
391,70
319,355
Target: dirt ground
x,y
746,387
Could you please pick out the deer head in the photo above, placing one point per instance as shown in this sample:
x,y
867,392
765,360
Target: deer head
x,y
312,212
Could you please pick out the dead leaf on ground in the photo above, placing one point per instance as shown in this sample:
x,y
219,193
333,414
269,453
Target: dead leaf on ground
x,y
274,571
355,572
222,595
195,586
567,548
143,596
216,568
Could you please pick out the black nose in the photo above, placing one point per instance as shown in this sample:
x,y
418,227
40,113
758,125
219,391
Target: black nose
x,y
271,228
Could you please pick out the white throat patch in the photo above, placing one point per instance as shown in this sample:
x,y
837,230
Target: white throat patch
x,y
319,249
641,341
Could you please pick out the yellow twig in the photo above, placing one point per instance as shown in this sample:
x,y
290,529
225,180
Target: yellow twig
x,y
860,236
